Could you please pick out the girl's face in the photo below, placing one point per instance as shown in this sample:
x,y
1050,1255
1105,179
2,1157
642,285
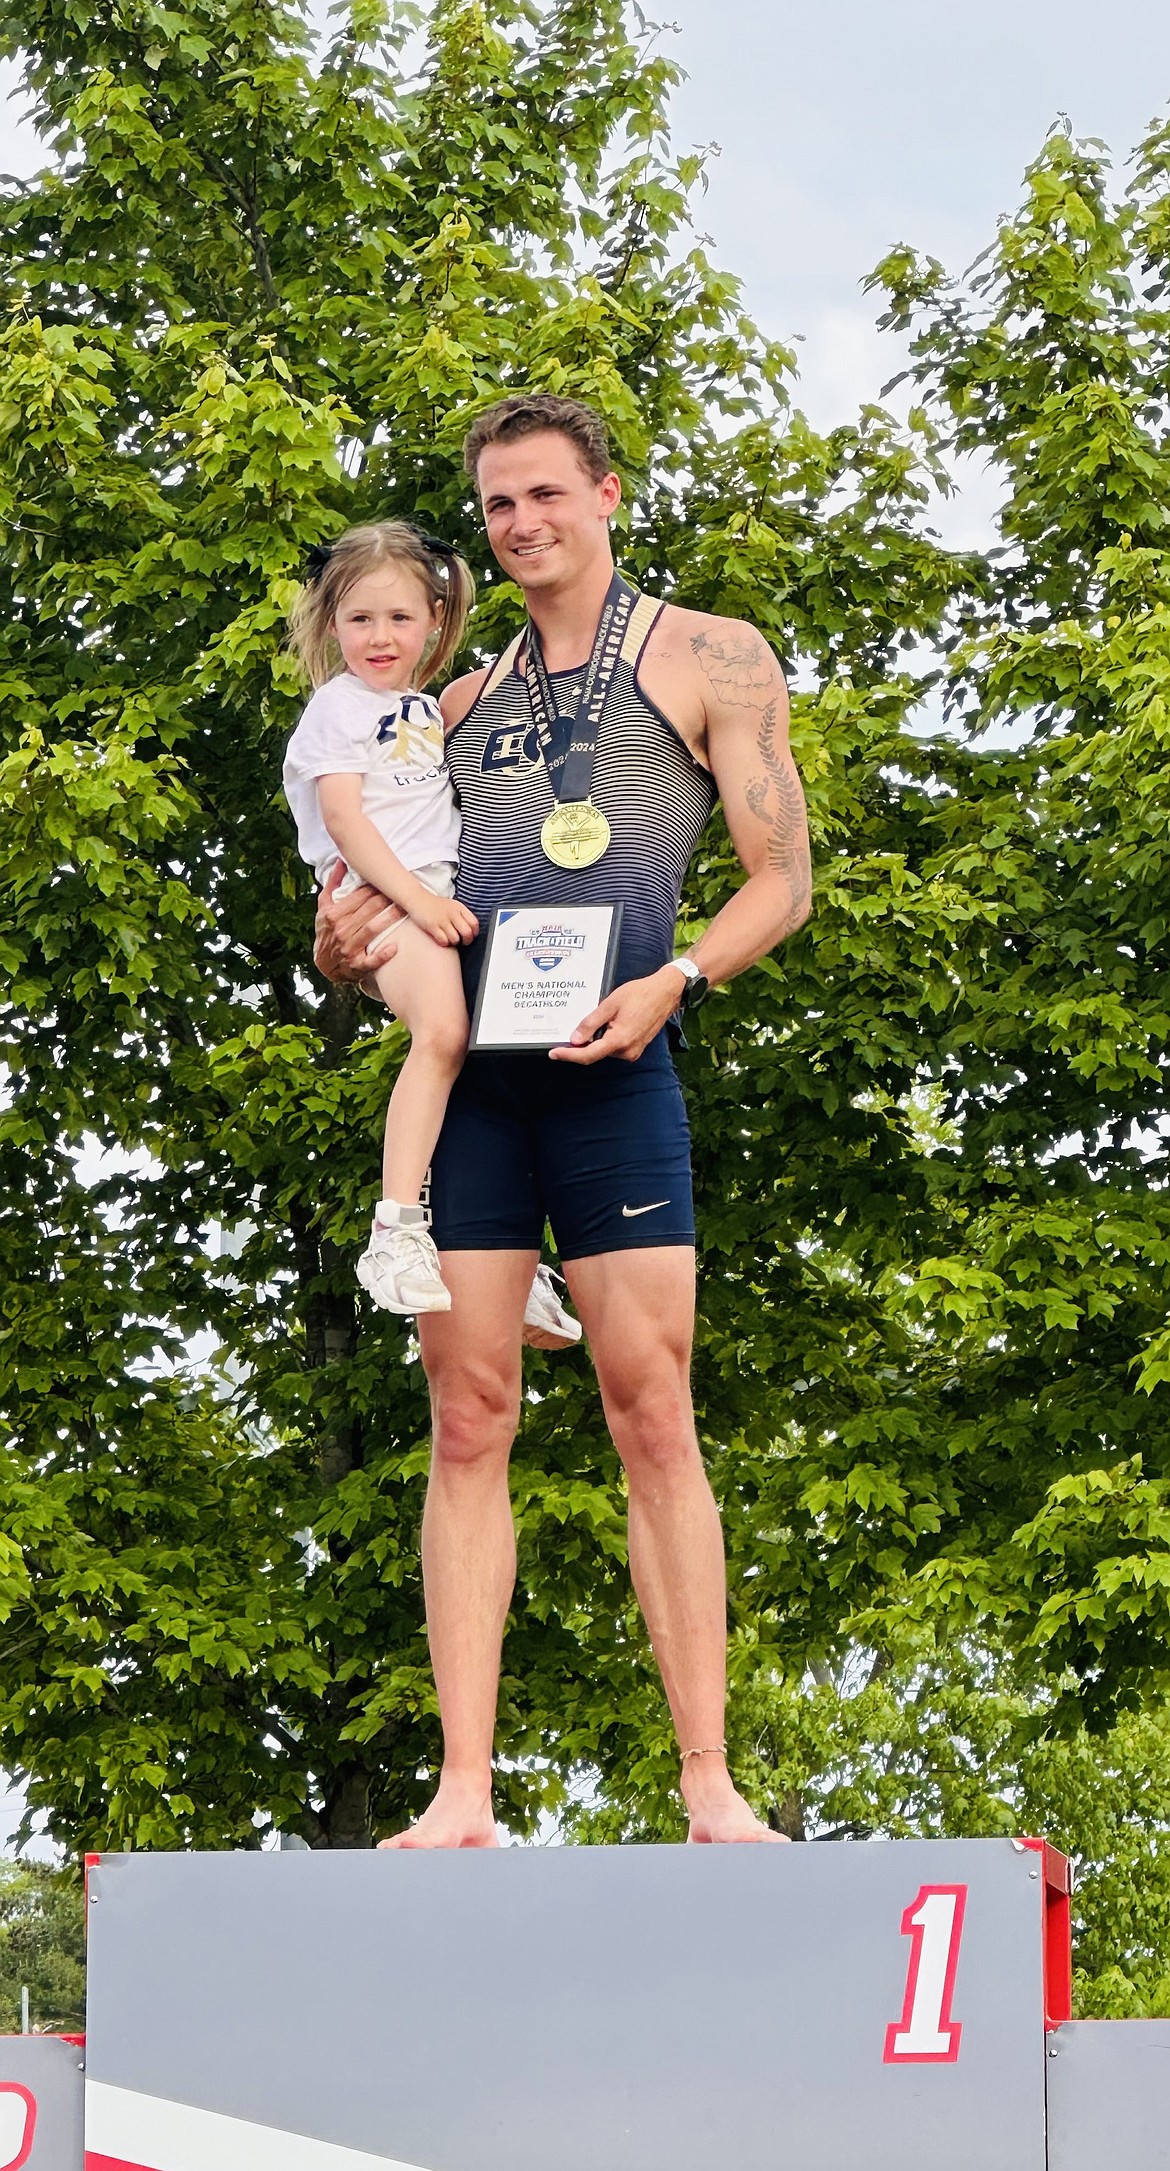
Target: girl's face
x,y
383,624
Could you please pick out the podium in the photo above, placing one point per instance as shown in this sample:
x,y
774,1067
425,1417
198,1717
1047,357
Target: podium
x,y
805,2008
41,2101
868,2007
1109,2096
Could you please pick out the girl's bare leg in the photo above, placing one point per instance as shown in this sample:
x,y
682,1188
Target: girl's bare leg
x,y
423,986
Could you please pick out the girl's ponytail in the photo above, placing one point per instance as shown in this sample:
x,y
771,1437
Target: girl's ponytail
x,y
458,597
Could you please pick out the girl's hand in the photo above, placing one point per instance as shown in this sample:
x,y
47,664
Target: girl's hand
x,y
445,920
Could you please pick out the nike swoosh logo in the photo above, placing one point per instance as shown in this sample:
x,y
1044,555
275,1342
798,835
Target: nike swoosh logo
x,y
630,1211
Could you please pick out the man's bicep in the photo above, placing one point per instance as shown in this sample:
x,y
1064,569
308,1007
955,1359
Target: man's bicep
x,y
747,746
758,783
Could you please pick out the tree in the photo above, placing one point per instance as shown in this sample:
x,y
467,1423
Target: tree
x,y
1052,362
42,1948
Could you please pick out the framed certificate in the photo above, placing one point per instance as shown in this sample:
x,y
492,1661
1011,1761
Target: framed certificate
x,y
545,968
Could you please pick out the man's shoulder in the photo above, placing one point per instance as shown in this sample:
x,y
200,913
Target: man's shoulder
x,y
457,699
687,631
726,660
696,664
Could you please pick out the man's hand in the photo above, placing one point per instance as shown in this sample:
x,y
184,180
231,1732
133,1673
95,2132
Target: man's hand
x,y
445,920
345,929
626,1021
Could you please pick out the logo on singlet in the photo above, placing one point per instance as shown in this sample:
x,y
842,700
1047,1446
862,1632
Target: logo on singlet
x,y
510,746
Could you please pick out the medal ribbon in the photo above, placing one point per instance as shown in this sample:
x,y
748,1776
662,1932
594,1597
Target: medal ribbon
x,y
570,772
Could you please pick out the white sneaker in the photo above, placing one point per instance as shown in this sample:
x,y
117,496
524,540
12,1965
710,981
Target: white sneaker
x,y
400,1268
547,1325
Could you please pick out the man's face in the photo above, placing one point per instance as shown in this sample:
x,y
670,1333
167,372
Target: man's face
x,y
547,520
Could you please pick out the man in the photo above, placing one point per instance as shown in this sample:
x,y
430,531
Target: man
x,y
595,1134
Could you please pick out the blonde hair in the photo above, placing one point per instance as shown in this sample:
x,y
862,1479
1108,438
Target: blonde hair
x,y
445,576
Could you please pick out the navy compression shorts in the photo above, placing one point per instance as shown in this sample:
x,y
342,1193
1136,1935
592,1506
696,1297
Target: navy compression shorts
x,y
603,1153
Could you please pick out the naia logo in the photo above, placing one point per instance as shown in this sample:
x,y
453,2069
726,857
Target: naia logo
x,y
548,947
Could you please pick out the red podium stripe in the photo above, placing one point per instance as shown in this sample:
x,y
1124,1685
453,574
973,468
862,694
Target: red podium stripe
x,y
94,2162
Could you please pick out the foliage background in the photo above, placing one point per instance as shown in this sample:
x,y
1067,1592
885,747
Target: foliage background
x,y
42,1949
254,295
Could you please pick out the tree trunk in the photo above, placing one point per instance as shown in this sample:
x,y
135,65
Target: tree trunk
x,y
345,1813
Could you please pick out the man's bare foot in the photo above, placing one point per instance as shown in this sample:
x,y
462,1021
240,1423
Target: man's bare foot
x,y
718,1814
459,1816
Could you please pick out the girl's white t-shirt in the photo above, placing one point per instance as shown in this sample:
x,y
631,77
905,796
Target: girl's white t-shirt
x,y
394,742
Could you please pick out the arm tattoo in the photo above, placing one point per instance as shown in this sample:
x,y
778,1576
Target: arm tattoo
x,y
742,671
741,668
775,798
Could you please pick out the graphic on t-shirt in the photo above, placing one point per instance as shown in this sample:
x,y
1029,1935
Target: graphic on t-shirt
x,y
394,743
417,729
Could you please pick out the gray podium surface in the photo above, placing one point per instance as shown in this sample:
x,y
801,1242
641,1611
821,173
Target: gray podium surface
x,y
41,2103
1109,2096
570,2009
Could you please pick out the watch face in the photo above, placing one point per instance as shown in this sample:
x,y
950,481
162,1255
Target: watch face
x,y
695,990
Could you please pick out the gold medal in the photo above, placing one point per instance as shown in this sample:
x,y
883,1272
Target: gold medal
x,y
575,834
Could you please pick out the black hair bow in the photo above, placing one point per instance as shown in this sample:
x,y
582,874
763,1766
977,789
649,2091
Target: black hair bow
x,y
317,558
437,547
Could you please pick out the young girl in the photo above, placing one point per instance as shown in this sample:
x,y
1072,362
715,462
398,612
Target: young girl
x,y
365,774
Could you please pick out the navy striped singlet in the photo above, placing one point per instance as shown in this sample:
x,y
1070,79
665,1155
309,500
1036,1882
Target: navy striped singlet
x,y
656,796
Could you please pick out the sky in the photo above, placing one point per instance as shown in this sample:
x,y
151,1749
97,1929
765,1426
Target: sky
x,y
845,126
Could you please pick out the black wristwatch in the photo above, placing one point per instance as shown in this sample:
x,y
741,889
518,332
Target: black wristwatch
x,y
695,983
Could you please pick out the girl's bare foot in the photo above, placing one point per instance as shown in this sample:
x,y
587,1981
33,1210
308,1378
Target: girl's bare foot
x,y
459,1816
717,1812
